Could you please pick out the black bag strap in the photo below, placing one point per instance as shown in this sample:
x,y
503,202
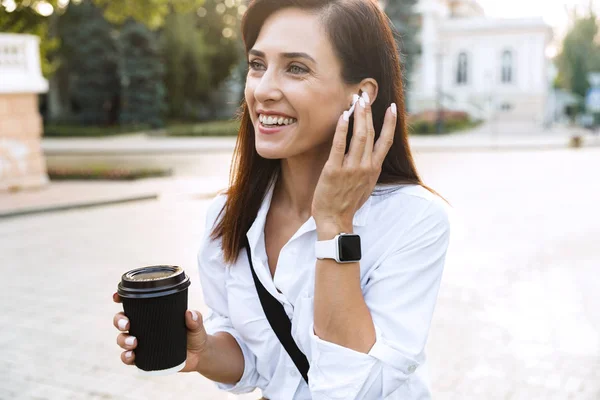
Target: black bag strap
x,y
279,321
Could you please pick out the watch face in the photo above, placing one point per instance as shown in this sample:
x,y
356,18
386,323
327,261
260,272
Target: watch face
x,y
349,248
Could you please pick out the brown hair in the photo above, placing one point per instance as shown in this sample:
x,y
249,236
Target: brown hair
x,y
364,40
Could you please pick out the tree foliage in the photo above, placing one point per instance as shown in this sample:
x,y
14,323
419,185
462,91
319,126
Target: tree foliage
x,y
114,73
186,53
579,56
200,50
151,13
28,17
141,73
90,53
25,19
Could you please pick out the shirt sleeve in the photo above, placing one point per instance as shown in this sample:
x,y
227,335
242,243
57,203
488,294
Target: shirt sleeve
x,y
212,272
401,293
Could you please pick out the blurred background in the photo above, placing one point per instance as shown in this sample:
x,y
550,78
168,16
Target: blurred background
x,y
117,128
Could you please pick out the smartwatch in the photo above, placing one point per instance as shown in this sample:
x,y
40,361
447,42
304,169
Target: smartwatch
x,y
344,248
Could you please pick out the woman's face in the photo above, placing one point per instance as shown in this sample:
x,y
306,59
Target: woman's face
x,y
295,79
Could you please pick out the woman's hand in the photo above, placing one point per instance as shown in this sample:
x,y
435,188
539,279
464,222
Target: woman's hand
x,y
197,338
348,180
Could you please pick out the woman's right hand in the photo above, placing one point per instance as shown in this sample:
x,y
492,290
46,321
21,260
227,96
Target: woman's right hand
x,y
197,338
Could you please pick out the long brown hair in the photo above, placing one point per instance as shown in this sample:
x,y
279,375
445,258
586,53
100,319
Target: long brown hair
x,y
364,40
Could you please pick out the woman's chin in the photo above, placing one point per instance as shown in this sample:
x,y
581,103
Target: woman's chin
x,y
269,153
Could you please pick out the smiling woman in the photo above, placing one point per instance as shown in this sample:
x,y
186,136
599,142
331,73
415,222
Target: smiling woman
x,y
316,287
306,59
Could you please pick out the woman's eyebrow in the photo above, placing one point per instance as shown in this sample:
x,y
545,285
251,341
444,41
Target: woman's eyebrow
x,y
259,53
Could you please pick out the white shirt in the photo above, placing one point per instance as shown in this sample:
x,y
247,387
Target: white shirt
x,y
404,237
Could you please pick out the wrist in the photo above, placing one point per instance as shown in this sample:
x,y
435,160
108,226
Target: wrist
x,y
203,353
330,229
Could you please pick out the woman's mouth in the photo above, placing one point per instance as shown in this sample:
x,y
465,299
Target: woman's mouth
x,y
270,121
269,124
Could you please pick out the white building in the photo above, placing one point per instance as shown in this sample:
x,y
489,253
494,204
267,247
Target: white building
x,y
492,68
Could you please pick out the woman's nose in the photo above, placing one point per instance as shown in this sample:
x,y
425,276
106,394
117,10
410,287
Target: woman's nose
x,y
268,88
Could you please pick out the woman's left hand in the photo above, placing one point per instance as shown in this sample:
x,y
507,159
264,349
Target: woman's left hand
x,y
347,180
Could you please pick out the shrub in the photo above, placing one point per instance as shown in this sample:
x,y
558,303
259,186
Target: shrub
x,y
68,130
425,123
105,173
213,128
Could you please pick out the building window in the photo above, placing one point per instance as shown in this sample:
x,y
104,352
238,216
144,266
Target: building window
x,y
461,70
507,67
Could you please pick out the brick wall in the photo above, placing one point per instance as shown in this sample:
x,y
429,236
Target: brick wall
x,y
22,162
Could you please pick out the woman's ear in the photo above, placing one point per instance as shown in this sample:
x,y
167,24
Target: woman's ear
x,y
370,86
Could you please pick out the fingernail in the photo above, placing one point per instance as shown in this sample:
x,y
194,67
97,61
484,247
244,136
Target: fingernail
x,y
194,316
394,109
366,97
129,354
122,324
130,340
346,116
362,103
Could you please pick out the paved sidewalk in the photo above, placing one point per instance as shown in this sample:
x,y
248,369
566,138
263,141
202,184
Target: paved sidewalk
x,y
137,144
518,315
487,138
67,195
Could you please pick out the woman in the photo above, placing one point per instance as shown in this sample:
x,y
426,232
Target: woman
x,y
362,324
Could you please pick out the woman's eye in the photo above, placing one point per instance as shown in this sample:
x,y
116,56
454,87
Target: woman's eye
x,y
294,69
299,70
254,65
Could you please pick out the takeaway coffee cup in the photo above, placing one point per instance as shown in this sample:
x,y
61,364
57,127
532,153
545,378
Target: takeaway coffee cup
x,y
155,301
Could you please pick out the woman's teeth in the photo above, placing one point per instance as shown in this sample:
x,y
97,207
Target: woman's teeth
x,y
269,120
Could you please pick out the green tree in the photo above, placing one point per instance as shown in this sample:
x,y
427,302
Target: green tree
x,y
90,54
186,54
200,50
402,15
580,55
33,17
141,75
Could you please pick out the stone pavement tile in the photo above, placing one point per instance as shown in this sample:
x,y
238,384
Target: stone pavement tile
x,y
573,384
12,386
441,395
445,382
591,395
43,391
537,393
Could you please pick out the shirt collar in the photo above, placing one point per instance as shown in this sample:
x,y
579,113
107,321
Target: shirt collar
x,y
256,230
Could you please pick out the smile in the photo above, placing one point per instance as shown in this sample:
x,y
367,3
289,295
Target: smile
x,y
270,121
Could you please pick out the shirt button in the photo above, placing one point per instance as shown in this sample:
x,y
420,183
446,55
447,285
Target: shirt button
x,y
292,371
412,368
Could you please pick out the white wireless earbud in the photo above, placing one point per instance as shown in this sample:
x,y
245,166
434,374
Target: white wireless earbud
x,y
355,99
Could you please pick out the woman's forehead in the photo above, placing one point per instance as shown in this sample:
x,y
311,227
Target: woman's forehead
x,y
294,31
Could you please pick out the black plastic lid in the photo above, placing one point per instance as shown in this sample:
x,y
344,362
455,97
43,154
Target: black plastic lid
x,y
153,281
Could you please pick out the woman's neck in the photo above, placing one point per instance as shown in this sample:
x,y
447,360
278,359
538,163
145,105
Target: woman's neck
x,y
296,184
